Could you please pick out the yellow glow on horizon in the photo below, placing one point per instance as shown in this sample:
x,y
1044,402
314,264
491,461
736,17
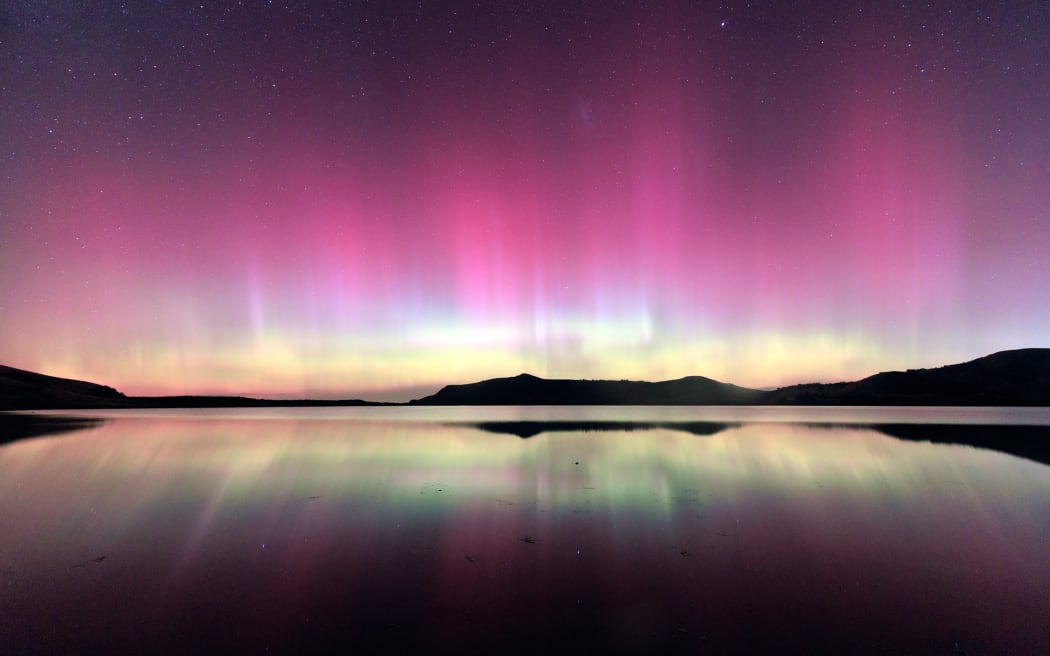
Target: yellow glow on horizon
x,y
285,364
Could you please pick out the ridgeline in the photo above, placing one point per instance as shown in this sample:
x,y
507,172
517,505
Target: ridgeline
x,y
1008,378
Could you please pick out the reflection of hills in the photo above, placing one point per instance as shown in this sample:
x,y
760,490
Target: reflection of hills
x,y
1030,442
19,427
526,429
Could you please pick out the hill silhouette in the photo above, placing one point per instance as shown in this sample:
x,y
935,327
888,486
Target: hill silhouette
x,y
526,389
1008,378
27,390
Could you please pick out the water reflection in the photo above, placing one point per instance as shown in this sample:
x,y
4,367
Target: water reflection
x,y
1031,442
19,426
245,534
526,429
1025,441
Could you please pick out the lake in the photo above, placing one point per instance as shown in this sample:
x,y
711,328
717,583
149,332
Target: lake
x,y
527,530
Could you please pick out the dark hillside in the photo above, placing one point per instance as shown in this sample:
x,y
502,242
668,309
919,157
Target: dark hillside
x,y
26,390
526,389
1017,378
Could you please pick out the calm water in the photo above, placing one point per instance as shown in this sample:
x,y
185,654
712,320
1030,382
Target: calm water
x,y
525,530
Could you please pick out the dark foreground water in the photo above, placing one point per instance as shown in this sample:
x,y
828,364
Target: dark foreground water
x,y
527,530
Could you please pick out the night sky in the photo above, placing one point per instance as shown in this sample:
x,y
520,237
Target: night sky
x,y
374,199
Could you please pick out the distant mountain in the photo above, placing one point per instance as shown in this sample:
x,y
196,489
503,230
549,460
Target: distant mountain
x,y
26,390
1019,378
1007,378
526,389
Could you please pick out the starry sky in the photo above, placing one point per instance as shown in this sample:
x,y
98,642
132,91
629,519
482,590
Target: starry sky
x,y
374,199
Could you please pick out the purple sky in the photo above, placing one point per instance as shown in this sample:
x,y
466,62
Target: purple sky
x,y
374,200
